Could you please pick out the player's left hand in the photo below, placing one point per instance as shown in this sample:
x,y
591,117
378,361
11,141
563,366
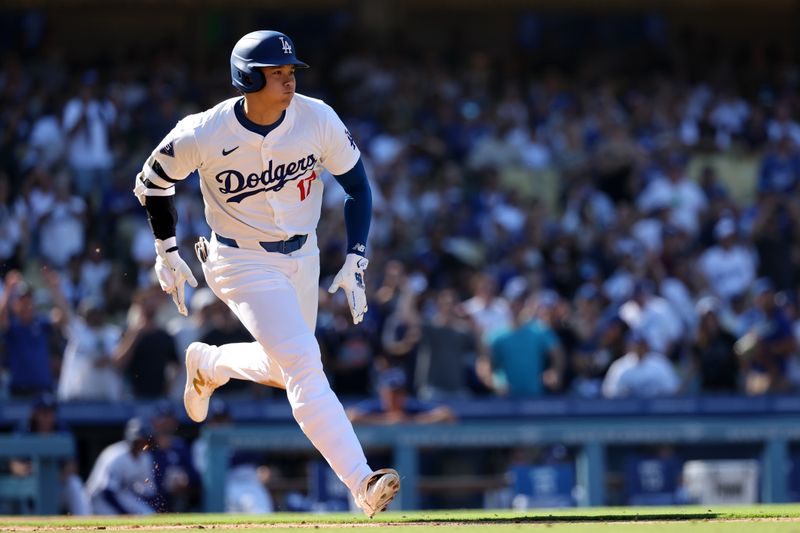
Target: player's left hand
x,y
172,272
351,279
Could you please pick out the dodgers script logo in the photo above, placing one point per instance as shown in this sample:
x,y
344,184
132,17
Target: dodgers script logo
x,y
273,178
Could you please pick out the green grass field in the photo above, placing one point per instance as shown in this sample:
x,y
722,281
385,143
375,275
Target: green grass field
x,y
755,519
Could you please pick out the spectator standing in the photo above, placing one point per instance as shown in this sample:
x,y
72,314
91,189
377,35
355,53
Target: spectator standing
x,y
87,367
776,217
146,353
729,268
486,308
446,352
780,168
640,373
526,358
11,230
88,121
401,333
715,362
63,225
684,197
768,343
27,340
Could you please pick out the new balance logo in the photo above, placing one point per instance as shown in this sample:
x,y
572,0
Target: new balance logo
x,y
287,48
198,382
226,152
358,247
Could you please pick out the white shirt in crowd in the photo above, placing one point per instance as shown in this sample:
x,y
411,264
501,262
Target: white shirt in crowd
x,y
46,143
93,278
685,200
660,324
728,272
62,230
630,377
489,317
89,147
81,378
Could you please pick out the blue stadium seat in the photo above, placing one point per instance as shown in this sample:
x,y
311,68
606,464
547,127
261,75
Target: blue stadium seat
x,y
544,485
652,481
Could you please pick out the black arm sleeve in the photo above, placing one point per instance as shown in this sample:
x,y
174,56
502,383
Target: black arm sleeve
x,y
162,215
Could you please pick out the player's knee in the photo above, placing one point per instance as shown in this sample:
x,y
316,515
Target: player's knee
x,y
300,351
301,365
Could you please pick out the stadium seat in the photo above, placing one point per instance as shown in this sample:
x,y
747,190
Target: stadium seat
x,y
542,485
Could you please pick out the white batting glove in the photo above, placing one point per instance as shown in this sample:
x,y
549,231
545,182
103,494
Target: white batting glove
x,y
351,279
172,272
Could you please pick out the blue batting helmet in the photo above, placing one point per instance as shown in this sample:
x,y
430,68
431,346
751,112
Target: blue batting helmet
x,y
137,429
263,48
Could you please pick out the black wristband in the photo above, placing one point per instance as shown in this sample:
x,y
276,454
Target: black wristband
x,y
162,216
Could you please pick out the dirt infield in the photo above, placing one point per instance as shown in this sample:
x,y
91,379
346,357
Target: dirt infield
x,y
751,519
486,524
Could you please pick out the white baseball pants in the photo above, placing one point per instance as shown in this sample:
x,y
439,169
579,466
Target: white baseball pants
x,y
275,296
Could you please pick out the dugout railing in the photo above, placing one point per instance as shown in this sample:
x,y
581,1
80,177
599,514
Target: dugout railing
x,y
589,436
42,487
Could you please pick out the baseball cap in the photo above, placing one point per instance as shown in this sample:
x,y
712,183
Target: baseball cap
x,y
137,429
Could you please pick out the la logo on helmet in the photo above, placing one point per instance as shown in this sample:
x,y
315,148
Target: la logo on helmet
x,y
287,48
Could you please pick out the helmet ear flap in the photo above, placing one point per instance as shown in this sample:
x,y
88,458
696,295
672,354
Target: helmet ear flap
x,y
256,79
248,80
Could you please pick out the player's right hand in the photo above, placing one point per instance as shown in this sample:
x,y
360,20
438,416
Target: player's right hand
x,y
351,279
172,273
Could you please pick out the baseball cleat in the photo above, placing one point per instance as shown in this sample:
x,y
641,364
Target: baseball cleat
x,y
377,490
199,388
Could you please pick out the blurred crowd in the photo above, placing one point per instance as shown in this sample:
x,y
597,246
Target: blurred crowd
x,y
536,231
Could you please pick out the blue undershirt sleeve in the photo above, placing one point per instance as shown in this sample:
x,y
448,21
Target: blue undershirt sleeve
x,y
357,207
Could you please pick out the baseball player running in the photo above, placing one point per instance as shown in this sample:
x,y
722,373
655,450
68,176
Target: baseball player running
x,y
259,156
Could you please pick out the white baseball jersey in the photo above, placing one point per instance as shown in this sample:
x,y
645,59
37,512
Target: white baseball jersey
x,y
128,477
255,187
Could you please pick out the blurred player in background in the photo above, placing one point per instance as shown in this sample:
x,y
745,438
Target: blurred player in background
x,y
122,479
